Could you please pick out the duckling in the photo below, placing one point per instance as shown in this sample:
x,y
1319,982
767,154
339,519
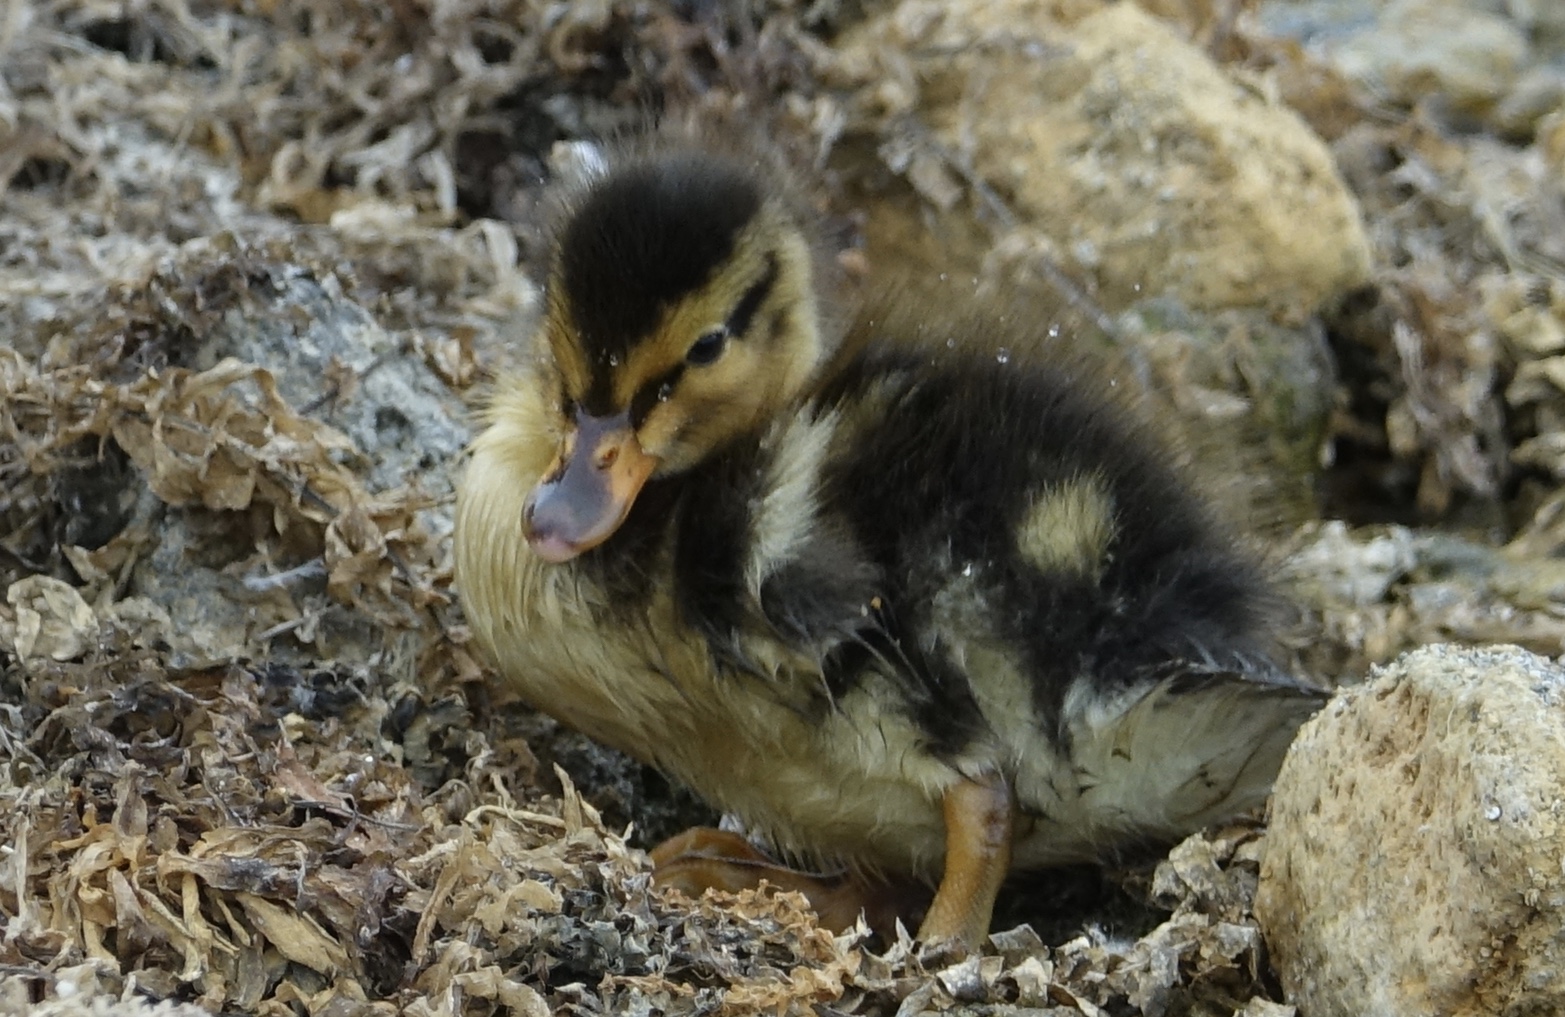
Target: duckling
x,y
914,615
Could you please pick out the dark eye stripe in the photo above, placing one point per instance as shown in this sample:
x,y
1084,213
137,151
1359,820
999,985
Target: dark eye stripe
x,y
739,321
653,392
659,388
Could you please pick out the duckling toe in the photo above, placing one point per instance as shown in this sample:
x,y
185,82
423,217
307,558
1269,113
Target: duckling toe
x,y
705,858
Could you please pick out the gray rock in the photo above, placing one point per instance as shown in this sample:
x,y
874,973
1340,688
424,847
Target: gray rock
x,y
333,361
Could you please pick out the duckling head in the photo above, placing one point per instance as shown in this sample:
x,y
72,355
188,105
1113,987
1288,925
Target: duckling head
x,y
681,315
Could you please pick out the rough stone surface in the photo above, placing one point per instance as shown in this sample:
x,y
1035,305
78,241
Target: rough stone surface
x,y
1463,60
331,358
1468,53
333,362
1144,165
1413,865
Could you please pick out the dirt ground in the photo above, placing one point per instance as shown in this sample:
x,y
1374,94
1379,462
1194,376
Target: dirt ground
x,y
258,261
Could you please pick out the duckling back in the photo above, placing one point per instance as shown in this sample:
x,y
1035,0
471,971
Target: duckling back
x,y
998,554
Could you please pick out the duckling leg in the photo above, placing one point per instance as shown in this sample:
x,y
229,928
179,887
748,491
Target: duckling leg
x,y
704,858
979,815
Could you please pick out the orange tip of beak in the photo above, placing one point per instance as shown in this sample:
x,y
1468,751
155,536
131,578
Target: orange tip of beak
x,y
588,493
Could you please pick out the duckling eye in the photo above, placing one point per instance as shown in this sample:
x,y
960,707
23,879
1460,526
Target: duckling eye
x,y
707,348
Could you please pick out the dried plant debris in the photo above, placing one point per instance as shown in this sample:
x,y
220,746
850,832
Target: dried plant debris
x,y
1447,403
1376,592
1459,221
248,839
404,127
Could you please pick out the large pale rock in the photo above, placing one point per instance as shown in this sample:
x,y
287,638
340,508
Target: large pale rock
x,y
1414,862
1125,149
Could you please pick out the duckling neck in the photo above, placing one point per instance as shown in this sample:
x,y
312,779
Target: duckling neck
x,y
688,521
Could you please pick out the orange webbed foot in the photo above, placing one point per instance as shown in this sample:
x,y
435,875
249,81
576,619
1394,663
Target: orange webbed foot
x,y
705,858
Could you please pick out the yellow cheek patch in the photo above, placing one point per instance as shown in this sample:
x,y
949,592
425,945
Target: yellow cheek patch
x,y
1069,528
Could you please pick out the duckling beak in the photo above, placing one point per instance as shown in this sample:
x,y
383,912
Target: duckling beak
x,y
588,490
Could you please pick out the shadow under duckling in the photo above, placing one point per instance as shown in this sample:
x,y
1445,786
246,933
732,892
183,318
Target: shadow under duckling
x,y
923,615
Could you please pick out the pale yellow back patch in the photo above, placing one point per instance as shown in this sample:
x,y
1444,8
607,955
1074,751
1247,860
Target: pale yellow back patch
x,y
1069,528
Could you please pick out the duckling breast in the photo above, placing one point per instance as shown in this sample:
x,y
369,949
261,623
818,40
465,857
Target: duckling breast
x,y
657,644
